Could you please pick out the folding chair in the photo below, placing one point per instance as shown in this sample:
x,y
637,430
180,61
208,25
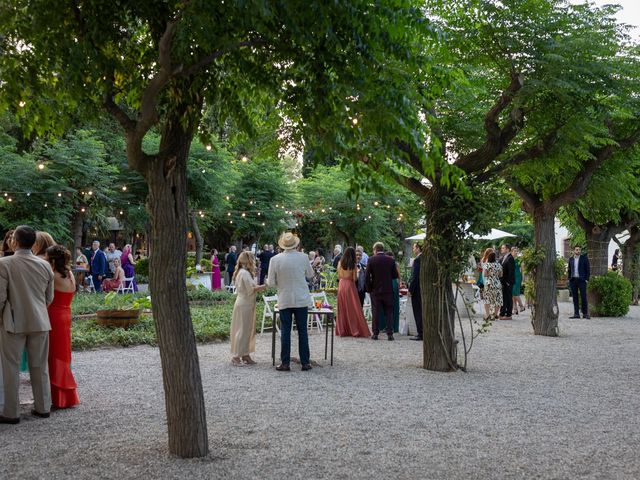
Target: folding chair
x,y
322,296
91,287
126,286
268,311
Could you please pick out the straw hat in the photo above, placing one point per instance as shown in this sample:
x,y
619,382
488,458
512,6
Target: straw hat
x,y
288,241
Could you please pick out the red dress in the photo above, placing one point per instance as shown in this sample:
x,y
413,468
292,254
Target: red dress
x,y
63,385
350,321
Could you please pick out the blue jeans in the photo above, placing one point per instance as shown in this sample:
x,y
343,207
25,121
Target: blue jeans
x,y
300,315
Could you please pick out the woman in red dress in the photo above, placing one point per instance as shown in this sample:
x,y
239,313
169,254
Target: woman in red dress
x,y
350,321
63,385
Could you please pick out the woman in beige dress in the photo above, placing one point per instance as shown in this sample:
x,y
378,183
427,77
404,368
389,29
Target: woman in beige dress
x,y
243,323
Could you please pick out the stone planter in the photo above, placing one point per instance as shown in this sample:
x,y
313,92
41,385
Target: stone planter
x,y
117,318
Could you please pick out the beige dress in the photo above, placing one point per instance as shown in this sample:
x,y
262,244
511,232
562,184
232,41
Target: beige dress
x,y
243,323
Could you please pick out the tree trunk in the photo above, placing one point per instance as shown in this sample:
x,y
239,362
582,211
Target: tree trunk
x,y
545,312
598,239
197,236
167,205
77,229
631,261
438,306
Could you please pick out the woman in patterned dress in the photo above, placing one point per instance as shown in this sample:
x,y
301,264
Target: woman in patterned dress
x,y
492,295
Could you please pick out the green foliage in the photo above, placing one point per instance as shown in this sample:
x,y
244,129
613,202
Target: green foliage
x,y
142,267
561,268
613,292
202,294
127,301
329,275
328,211
87,334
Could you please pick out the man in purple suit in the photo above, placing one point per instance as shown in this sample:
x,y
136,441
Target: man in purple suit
x,y
381,270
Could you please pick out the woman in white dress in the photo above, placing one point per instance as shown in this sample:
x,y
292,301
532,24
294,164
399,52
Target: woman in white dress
x,y
243,323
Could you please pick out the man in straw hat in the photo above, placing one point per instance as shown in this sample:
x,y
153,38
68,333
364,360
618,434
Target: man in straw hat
x,y
288,272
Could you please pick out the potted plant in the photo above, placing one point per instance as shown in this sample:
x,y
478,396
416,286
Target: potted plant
x,y
122,310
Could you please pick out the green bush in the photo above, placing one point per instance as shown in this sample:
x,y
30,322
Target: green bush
x,y
613,292
203,294
142,267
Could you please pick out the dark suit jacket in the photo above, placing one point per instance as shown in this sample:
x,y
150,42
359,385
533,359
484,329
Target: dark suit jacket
x,y
381,270
508,270
98,263
584,269
232,258
414,281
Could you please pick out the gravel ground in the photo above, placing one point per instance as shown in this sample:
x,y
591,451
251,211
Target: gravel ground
x,y
528,407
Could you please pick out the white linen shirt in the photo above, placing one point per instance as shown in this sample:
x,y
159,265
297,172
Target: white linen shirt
x,y
288,272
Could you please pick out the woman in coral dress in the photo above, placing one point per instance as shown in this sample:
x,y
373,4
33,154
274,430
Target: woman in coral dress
x,y
113,284
63,385
350,321
216,281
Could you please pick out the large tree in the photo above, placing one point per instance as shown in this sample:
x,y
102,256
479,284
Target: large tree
x,y
549,92
154,65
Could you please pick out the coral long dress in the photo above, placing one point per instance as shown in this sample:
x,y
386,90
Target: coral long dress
x,y
63,385
216,281
350,321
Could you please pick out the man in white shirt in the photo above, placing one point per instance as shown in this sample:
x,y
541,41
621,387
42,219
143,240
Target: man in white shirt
x,y
289,272
112,253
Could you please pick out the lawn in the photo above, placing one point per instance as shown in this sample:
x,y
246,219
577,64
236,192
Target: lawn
x,y
210,313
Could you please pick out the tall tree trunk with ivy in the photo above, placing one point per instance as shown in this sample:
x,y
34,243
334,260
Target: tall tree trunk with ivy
x,y
438,304
545,311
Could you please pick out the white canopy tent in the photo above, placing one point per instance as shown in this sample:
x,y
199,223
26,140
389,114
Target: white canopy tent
x,y
417,236
494,234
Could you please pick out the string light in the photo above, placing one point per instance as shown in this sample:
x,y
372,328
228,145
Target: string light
x,y
208,147
124,188
41,166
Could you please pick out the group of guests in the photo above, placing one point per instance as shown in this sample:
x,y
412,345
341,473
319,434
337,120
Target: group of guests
x,y
36,290
109,268
500,281
289,272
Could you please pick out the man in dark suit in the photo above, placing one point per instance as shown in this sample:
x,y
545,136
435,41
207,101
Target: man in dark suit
x,y
264,257
579,273
98,265
381,270
414,290
230,261
507,280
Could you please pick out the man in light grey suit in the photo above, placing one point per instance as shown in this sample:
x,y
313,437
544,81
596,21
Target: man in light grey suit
x,y
26,288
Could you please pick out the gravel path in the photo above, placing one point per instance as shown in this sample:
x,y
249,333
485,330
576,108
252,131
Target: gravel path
x,y
529,407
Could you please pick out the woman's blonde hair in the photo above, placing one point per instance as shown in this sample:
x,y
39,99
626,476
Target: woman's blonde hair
x,y
245,262
43,241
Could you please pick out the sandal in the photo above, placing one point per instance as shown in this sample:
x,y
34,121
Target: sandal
x,y
248,360
236,362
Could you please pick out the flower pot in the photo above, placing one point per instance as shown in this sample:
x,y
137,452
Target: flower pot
x,y
117,318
